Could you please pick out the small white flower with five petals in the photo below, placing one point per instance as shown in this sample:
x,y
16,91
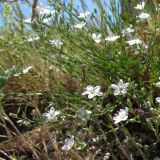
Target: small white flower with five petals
x,y
96,37
92,91
120,88
122,115
51,115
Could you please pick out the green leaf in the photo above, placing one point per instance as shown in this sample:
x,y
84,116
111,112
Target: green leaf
x,y
2,81
81,145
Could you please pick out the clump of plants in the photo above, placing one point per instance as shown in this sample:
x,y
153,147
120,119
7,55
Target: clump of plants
x,y
80,84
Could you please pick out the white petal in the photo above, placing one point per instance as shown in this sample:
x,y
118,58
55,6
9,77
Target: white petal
x,y
158,84
65,147
158,99
114,86
116,92
120,83
99,94
57,113
52,109
90,96
93,35
124,91
89,87
116,119
126,84
86,92
125,118
54,119
97,88
97,40
99,36
88,111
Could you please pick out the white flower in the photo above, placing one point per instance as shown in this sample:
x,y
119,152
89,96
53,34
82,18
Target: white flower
x,y
26,70
45,10
56,42
143,16
158,99
157,84
112,38
134,41
69,142
84,15
128,30
107,155
122,115
92,91
28,20
51,115
84,114
120,88
33,38
140,6
47,20
80,25
97,37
